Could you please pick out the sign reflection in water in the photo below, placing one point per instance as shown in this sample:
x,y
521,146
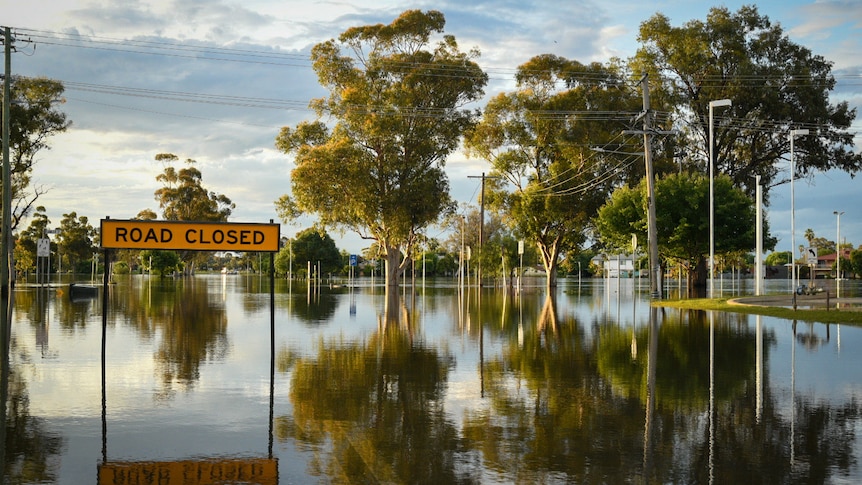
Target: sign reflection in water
x,y
592,385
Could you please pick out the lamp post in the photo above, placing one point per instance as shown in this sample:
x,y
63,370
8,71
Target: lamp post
x,y
712,105
793,134
758,252
838,254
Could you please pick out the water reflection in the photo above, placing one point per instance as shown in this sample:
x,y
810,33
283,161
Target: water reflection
x,y
429,385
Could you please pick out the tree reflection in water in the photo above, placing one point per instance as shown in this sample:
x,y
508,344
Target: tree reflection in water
x,y
29,449
190,321
372,410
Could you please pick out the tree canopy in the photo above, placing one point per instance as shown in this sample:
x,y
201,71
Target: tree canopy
x,y
183,197
775,86
309,245
538,139
34,120
682,220
398,107
25,244
76,239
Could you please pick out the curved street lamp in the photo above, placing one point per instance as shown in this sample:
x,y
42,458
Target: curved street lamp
x,y
712,104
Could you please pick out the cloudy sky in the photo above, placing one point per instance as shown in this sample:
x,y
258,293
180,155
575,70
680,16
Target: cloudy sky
x,y
214,81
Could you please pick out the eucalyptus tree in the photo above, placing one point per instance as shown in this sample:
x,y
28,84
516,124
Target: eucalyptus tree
x,y
25,243
399,109
76,240
183,197
309,246
34,119
539,139
774,84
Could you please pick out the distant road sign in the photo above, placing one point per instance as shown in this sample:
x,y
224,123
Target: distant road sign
x,y
43,247
811,255
196,236
353,260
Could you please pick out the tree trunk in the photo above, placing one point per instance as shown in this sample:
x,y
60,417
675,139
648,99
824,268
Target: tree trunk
x,y
697,276
551,277
550,254
393,267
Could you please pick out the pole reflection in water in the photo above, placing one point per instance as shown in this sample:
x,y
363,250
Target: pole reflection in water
x,y
711,396
793,397
759,369
5,339
652,359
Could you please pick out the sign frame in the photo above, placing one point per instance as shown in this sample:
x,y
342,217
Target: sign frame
x,y
188,235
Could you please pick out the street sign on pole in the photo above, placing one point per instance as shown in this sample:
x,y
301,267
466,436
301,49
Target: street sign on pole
x,y
811,255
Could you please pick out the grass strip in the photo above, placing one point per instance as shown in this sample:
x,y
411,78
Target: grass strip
x,y
822,315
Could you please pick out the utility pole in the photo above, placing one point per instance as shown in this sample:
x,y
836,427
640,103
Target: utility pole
x,y
481,224
655,274
6,173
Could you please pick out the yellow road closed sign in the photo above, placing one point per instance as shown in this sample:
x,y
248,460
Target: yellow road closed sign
x,y
196,236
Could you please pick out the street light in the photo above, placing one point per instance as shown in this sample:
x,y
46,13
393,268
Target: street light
x,y
758,251
793,134
712,104
838,254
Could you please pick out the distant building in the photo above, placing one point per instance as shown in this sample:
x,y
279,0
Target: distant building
x,y
617,266
826,263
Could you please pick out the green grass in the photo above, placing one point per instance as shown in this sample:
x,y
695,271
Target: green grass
x,y
852,317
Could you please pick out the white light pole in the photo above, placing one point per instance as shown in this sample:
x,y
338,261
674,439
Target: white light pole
x,y
838,255
793,134
712,104
758,252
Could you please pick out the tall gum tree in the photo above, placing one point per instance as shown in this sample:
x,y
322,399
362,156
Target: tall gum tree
x,y
539,138
34,119
183,197
399,109
775,86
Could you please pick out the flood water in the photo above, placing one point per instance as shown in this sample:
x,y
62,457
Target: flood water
x,y
210,380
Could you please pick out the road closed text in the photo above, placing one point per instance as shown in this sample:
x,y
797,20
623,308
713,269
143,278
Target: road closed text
x,y
203,236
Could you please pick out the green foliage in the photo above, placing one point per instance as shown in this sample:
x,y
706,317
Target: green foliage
x,y
161,262
309,245
34,121
744,57
25,244
544,154
682,218
184,198
121,268
779,258
379,170
856,261
75,239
